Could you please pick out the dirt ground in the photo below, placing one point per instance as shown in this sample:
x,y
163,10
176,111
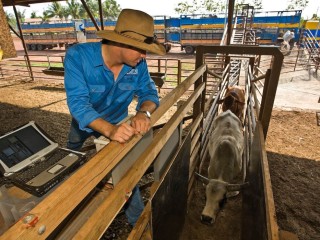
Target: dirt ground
x,y
293,147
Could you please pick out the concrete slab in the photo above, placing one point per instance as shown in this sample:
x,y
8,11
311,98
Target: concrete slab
x,y
298,91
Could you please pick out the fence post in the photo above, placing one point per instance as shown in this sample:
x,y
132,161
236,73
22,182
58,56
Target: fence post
x,y
159,65
179,72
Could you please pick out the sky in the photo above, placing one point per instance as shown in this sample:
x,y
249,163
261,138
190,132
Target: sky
x,y
166,7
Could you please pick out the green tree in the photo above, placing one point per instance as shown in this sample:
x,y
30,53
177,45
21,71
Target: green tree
x,y
11,19
45,17
65,13
94,9
21,15
213,6
74,9
204,6
210,6
297,4
257,4
33,14
111,9
186,8
55,9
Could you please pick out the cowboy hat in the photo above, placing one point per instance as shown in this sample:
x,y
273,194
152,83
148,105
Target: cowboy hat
x,y
134,28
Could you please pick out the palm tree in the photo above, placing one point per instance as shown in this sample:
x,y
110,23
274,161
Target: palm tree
x,y
94,9
33,15
21,15
55,10
65,13
11,19
45,17
111,9
74,8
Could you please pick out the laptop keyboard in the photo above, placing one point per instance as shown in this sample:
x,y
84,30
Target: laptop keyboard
x,y
26,175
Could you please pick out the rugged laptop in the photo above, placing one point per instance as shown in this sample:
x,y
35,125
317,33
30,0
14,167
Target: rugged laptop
x,y
32,161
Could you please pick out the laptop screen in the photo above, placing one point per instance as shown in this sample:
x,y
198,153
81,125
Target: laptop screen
x,y
22,147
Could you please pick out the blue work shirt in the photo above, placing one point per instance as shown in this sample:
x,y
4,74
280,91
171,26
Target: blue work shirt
x,y
92,91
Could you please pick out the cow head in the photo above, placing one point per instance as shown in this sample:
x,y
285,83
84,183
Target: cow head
x,y
234,100
215,193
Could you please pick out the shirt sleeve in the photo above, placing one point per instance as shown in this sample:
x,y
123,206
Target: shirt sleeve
x,y
77,91
146,90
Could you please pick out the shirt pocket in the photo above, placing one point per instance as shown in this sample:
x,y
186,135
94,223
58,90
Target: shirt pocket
x,y
125,86
97,93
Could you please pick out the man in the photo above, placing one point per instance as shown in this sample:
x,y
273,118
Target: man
x,y
101,80
285,45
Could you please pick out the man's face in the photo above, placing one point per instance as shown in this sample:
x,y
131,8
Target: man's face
x,y
131,55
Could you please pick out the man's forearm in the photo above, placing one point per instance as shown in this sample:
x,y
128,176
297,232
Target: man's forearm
x,y
148,106
102,126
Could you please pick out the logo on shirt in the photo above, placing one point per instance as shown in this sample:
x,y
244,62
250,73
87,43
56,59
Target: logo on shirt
x,y
133,72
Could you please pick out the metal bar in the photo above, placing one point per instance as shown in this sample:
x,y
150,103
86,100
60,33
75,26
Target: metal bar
x,y
230,17
101,14
90,14
22,39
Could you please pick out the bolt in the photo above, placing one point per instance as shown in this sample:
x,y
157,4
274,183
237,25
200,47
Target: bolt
x,y
41,229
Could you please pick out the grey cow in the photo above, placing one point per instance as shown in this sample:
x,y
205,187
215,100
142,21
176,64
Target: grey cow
x,y
225,149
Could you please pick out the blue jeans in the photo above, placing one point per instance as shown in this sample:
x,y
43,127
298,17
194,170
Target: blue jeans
x,y
134,206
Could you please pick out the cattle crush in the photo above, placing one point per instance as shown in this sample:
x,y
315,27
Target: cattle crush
x,y
174,152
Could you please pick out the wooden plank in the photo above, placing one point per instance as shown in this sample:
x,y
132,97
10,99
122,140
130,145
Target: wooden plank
x,y
272,226
194,159
190,187
195,139
103,216
80,218
196,124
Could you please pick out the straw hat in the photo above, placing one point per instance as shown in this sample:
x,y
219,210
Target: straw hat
x,y
134,28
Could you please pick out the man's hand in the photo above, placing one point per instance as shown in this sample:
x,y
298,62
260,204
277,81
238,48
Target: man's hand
x,y
122,132
141,123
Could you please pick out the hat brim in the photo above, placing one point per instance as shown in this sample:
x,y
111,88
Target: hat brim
x,y
111,35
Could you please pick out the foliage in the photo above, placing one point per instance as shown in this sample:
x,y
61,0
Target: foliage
x,y
111,9
45,16
75,10
210,6
257,4
33,14
55,9
94,9
297,4
11,19
21,15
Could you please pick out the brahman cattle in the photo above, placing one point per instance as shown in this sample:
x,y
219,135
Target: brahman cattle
x,y
226,146
234,100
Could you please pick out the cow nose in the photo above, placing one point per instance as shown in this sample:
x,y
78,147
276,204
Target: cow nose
x,y
206,220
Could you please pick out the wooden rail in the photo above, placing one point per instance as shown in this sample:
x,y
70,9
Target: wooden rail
x,y
57,206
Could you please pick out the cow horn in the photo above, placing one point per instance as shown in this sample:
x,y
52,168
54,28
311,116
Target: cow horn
x,y
202,178
236,187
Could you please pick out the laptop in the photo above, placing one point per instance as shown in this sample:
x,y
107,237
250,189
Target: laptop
x,y
32,161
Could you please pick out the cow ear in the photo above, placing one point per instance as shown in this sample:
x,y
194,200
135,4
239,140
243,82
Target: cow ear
x,y
202,178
